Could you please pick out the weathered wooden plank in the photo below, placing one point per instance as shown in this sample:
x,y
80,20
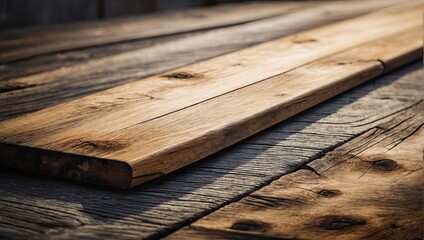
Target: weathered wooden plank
x,y
58,210
74,146
369,188
42,41
46,89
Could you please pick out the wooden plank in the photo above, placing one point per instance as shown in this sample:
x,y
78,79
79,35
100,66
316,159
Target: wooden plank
x,y
369,188
46,89
141,154
35,42
61,209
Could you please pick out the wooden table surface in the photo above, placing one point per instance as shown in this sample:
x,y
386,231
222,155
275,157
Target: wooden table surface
x,y
178,205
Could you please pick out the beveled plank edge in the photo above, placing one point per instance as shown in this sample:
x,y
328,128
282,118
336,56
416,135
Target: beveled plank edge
x,y
108,172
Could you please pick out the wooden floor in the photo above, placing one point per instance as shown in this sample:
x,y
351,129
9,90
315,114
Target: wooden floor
x,y
350,167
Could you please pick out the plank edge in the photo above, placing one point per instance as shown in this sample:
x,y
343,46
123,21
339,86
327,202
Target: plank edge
x,y
69,166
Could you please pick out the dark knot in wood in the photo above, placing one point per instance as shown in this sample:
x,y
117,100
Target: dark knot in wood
x,y
329,193
384,165
339,222
180,75
249,225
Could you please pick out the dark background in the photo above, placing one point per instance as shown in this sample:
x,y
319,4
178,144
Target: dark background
x,y
22,13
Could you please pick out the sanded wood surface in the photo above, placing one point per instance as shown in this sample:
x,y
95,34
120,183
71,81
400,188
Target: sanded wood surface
x,y
54,209
369,188
91,71
161,133
21,44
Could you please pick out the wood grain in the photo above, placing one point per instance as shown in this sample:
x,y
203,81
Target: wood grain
x,y
150,155
369,188
50,208
21,44
95,72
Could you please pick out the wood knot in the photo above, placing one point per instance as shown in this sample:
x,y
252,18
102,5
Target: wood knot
x,y
303,40
385,165
180,75
344,63
249,225
339,222
329,193
101,145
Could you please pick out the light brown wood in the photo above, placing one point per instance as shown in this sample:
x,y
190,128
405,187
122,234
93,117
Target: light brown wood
x,y
369,188
154,145
21,44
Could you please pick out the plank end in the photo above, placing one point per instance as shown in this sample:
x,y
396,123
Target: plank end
x,y
107,172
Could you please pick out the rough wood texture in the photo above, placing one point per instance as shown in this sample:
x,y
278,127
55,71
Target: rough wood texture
x,y
21,44
58,210
75,147
370,188
46,89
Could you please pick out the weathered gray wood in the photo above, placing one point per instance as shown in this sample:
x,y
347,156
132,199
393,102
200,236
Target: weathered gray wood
x,y
369,188
67,210
20,44
67,58
27,94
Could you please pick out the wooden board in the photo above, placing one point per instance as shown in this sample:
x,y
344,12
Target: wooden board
x,y
95,69
50,208
18,44
369,188
150,156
